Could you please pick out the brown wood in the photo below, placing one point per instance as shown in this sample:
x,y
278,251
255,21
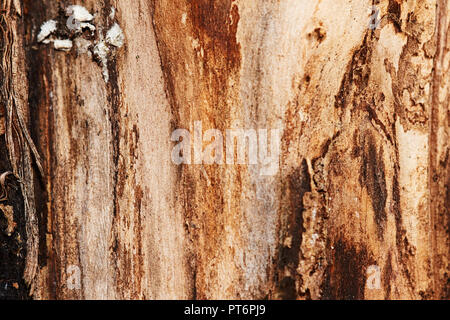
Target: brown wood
x,y
362,185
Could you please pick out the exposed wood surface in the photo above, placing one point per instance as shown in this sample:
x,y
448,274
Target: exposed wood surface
x,y
363,174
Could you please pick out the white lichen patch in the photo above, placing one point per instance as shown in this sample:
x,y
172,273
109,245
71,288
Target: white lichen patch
x,y
48,40
112,15
314,238
101,51
47,28
85,25
64,45
99,46
115,36
79,13
83,46
79,18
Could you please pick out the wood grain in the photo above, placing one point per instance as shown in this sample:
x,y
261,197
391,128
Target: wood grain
x,y
363,175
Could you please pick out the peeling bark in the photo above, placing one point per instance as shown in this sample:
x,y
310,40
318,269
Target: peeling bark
x,y
363,172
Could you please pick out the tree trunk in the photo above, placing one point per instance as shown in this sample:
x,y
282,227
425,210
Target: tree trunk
x,y
357,207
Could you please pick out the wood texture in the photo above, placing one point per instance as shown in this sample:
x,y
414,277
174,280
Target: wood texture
x,y
363,173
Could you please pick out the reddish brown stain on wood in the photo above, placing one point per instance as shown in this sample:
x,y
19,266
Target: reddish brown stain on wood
x,y
345,160
346,275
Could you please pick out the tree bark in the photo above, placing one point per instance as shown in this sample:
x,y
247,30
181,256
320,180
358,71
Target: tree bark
x,y
362,186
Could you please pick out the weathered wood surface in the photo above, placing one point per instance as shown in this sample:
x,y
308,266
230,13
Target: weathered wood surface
x,y
364,170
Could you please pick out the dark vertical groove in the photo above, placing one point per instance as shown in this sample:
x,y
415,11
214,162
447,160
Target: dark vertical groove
x,y
346,274
42,132
298,183
373,177
12,247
